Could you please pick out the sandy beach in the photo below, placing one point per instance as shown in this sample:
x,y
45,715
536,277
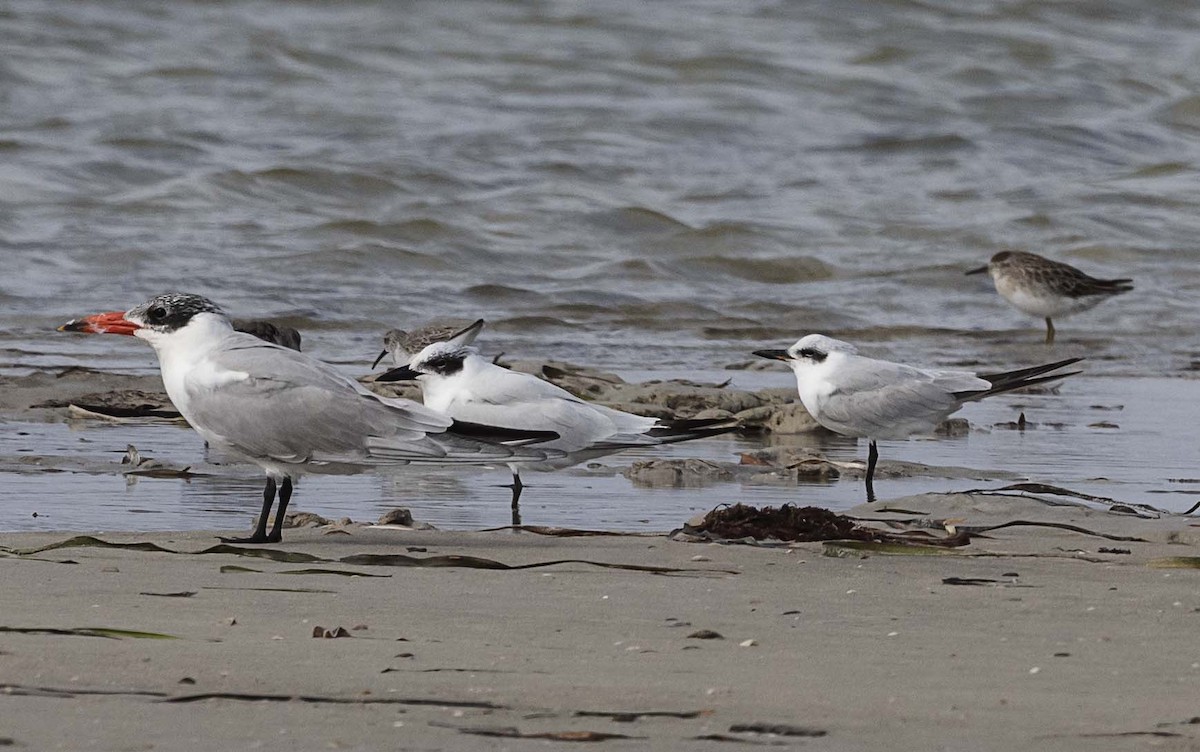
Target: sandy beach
x,y
1030,637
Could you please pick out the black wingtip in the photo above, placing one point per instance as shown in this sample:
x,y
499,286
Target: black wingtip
x,y
501,434
468,333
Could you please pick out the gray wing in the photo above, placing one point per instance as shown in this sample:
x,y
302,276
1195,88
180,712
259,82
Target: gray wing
x,y
292,408
522,401
880,399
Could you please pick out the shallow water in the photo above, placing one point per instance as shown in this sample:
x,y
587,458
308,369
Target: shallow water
x,y
1143,457
612,183
625,185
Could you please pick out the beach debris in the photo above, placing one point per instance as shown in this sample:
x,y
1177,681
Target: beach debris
x,y
675,473
784,523
798,464
511,732
952,427
1175,562
305,519
741,523
706,634
330,634
401,516
151,468
776,729
1039,492
109,632
338,572
120,405
377,560
751,643
982,582
330,700
863,548
622,716
180,594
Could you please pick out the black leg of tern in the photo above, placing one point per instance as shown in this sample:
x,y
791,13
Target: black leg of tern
x,y
1049,331
872,459
516,487
285,495
260,530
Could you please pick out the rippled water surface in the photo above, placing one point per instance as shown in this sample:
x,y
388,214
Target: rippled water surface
x,y
619,184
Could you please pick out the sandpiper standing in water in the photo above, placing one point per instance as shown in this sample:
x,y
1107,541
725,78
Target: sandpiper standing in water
x,y
1049,289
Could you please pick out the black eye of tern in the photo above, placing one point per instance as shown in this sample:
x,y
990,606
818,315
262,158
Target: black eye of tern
x,y
156,314
813,354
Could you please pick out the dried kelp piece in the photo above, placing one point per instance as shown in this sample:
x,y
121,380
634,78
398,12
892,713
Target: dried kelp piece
x,y
785,523
776,729
858,548
1022,489
706,634
474,562
511,732
180,594
287,557
378,560
1175,562
983,582
83,541
630,716
567,532
977,581
743,523
109,632
165,472
122,403
339,572
269,589
401,560
1122,734
332,700
235,569
977,529
330,634
24,690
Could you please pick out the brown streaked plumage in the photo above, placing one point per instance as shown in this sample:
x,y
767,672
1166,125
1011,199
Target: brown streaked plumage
x,y
1048,289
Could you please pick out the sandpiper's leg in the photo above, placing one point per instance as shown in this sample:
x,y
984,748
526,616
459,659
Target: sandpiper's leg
x,y
1049,331
260,531
872,459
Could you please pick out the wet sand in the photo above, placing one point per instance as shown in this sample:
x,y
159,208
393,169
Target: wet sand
x,y
1052,640
1030,636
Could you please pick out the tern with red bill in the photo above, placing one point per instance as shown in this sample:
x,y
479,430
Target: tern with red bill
x,y
877,399
288,412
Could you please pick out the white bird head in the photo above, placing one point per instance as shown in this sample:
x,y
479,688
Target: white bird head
x,y
810,350
440,359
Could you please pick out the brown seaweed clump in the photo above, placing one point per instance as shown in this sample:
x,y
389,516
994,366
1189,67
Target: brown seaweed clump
x,y
785,523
